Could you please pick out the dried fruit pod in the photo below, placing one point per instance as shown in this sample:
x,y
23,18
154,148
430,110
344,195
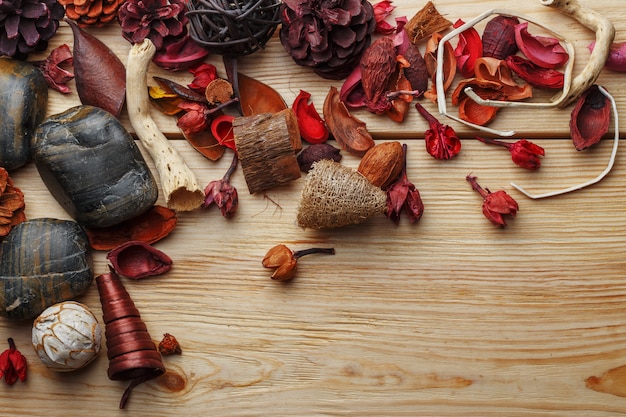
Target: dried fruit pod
x,y
382,164
266,144
132,353
66,336
335,195
136,260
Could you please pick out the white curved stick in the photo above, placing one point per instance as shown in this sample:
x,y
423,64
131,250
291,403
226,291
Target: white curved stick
x,y
594,180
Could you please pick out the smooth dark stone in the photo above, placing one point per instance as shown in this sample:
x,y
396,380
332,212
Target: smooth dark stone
x,y
22,107
93,167
42,262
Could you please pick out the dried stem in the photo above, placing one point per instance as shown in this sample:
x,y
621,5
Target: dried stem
x,y
303,252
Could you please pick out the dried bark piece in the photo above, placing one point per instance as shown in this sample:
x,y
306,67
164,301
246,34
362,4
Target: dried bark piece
x,y
267,144
426,21
350,132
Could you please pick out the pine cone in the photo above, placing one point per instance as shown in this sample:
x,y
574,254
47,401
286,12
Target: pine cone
x,y
91,12
327,35
11,204
152,19
27,25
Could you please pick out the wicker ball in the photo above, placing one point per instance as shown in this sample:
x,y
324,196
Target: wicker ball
x,y
233,27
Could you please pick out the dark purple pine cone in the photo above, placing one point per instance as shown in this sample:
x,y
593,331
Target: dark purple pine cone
x,y
327,35
27,25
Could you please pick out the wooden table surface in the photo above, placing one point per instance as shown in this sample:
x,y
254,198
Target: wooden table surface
x,y
449,316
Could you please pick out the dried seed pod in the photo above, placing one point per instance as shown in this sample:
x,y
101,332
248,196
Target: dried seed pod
x,y
99,74
499,37
136,260
317,152
42,262
590,118
349,132
132,353
66,336
382,164
335,195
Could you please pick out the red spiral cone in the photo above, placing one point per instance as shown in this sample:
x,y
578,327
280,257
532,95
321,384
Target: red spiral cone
x,y
132,353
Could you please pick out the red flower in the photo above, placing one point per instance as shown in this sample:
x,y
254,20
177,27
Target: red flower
x,y
222,194
523,152
312,127
468,50
495,205
51,68
195,118
12,364
403,195
441,140
382,10
203,74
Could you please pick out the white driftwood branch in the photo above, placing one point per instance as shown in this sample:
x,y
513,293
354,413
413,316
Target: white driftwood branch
x,y
178,182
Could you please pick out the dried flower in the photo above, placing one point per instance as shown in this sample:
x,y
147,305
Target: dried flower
x,y
382,10
403,195
285,261
179,53
222,193
590,118
317,152
499,37
535,75
12,364
203,74
56,76
27,25
468,50
195,118
312,127
441,140
523,152
11,204
544,51
327,35
222,130
495,205
169,345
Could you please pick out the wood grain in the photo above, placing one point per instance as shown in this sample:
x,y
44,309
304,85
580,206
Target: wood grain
x,y
450,316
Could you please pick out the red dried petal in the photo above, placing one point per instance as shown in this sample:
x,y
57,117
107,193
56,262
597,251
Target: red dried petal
x,y
312,127
382,10
203,74
442,141
468,50
222,130
535,75
544,51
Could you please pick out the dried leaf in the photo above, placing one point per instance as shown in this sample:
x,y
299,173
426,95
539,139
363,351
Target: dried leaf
x,y
180,90
166,102
256,97
350,133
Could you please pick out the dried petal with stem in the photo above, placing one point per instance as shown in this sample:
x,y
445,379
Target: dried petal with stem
x,y
12,364
523,152
495,205
441,141
285,260
222,194
402,195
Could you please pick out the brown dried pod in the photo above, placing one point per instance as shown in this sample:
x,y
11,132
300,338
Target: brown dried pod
x,y
99,74
350,133
426,21
335,195
133,355
317,152
256,97
218,91
499,37
378,64
136,260
416,73
382,164
590,118
150,227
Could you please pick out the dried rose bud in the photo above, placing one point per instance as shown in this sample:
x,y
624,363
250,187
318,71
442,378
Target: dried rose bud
x,y
496,204
317,152
169,345
222,194
12,364
441,140
56,76
523,152
285,261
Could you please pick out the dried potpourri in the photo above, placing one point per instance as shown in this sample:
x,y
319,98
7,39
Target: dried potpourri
x,y
312,128
12,364
495,205
590,118
136,260
441,140
327,35
285,260
169,346
222,194
382,10
523,152
54,68
11,204
403,195
95,13
26,26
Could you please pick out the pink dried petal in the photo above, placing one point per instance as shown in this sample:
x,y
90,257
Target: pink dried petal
x,y
468,50
136,259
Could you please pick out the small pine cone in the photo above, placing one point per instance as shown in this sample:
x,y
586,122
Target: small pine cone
x,y
11,204
27,25
91,12
328,35
153,19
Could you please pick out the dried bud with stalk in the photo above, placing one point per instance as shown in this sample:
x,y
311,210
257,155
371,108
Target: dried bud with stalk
x,y
222,194
402,195
285,261
523,152
495,205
